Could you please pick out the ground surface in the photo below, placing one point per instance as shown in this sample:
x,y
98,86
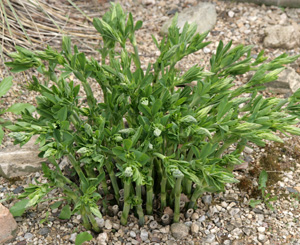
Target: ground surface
x,y
226,218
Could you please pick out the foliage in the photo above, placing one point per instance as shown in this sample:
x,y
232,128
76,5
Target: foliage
x,y
17,108
262,185
153,137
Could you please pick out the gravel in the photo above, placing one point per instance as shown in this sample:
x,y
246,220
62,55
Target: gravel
x,y
221,218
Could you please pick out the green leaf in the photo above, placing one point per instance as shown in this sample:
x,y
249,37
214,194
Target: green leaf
x,y
138,25
127,144
253,203
62,114
83,237
19,208
65,212
263,178
1,134
20,107
55,205
96,212
5,85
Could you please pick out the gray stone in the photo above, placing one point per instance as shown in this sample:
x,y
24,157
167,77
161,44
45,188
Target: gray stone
x,y
44,231
73,237
144,235
262,237
102,238
16,161
286,37
234,211
288,82
210,238
28,236
179,230
100,222
207,199
202,218
237,232
132,234
108,224
204,15
8,225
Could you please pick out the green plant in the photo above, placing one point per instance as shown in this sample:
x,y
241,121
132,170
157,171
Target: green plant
x,y
17,108
153,136
266,197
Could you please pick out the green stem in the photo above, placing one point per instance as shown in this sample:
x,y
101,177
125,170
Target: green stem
x,y
126,207
197,193
95,226
113,179
149,196
177,199
139,208
241,146
225,145
103,183
163,192
85,219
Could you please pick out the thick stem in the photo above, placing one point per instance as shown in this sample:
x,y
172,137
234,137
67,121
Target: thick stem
x,y
163,192
197,193
95,226
149,196
103,183
139,208
225,145
85,219
126,207
113,179
177,199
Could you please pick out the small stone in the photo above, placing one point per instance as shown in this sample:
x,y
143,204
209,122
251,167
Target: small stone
x,y
261,229
207,199
148,2
195,216
28,236
224,204
210,238
188,223
237,232
231,14
100,222
132,234
179,230
108,224
206,50
135,242
194,228
165,229
234,211
116,226
102,238
144,235
247,149
18,190
201,219
73,237
247,231
44,231
261,237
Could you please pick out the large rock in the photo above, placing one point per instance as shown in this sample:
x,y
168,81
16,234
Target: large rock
x,y
288,82
286,37
203,14
8,226
179,230
16,161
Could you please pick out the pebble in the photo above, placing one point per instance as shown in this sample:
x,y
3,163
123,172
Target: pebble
x,y
207,199
102,238
144,235
132,234
195,216
261,229
73,237
210,238
231,14
28,236
100,222
108,224
18,190
195,228
44,231
179,230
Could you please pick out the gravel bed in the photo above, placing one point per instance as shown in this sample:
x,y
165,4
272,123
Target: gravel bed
x,y
221,218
